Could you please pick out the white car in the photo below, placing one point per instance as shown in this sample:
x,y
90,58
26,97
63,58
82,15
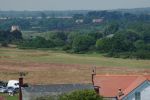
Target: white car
x,y
13,83
3,89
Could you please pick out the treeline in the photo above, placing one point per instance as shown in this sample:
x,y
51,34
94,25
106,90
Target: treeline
x,y
126,44
7,37
120,35
43,22
69,41
130,42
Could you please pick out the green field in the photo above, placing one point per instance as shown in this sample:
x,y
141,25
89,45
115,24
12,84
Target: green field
x,y
60,67
7,97
48,56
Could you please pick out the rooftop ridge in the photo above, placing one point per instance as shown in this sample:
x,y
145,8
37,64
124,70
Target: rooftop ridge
x,y
119,75
134,85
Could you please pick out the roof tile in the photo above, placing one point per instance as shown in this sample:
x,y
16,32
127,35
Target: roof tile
x,y
110,84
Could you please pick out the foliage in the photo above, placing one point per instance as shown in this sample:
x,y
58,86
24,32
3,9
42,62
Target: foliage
x,y
38,42
76,95
82,43
58,38
81,95
45,98
104,45
142,54
10,37
117,35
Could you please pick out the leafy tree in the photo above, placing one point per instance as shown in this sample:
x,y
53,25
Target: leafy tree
x,y
104,45
123,41
82,43
4,44
96,35
46,98
58,38
139,45
111,29
142,54
38,42
59,35
75,95
17,35
130,35
9,37
58,42
81,95
146,36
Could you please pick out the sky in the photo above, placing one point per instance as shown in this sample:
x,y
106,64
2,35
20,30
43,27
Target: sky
x,y
35,5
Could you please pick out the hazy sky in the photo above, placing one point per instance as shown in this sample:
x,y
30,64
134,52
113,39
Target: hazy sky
x,y
71,4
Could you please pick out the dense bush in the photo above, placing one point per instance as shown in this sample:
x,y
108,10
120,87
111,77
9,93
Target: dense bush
x,y
38,42
46,98
10,37
82,43
104,44
142,54
81,95
76,95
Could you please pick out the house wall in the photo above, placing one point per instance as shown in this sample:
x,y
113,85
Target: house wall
x,y
25,95
144,89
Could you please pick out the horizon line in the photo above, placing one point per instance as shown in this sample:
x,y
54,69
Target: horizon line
x,y
78,9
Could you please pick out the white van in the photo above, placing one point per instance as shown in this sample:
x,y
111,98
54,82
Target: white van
x,y
13,83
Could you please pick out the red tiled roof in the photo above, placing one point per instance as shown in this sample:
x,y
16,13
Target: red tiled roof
x,y
110,84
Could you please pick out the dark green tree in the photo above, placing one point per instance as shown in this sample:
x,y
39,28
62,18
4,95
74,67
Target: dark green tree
x,y
82,43
81,95
104,45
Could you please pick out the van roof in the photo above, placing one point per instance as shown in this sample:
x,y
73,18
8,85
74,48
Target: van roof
x,y
13,81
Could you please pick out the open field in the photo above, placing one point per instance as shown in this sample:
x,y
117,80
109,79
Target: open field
x,y
7,97
46,66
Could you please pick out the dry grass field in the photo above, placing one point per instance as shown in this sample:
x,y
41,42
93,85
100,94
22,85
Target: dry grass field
x,y
49,67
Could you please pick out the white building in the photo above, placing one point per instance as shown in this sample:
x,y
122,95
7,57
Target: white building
x,y
14,28
98,20
78,21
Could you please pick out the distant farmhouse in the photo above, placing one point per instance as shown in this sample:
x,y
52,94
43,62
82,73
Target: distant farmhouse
x,y
123,87
100,20
79,21
14,28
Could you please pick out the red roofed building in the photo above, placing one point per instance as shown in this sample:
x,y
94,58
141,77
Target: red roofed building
x,y
123,87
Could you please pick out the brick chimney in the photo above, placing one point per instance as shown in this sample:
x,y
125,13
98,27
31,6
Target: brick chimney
x,y
93,74
120,92
96,88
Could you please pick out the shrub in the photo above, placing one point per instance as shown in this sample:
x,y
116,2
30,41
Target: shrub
x,y
82,43
81,95
76,95
45,98
142,54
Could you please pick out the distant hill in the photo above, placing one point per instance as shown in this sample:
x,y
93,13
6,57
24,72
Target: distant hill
x,y
40,13
136,10
66,13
